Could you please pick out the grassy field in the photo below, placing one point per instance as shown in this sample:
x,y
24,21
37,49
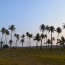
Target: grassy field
x,y
32,57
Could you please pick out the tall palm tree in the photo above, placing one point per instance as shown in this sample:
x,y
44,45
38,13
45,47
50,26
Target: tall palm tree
x,y
22,40
42,28
12,28
30,36
46,40
51,29
37,38
6,35
27,34
42,37
58,30
17,38
47,30
3,32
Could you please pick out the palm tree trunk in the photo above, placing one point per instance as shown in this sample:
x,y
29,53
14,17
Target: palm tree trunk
x,y
22,44
51,40
1,40
41,44
46,40
11,38
57,41
37,44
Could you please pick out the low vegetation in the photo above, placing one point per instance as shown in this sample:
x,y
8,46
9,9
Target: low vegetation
x,y
32,57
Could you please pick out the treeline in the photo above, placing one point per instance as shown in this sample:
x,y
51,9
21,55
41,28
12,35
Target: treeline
x,y
45,29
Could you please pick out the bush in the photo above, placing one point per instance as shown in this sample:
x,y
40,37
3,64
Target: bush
x,y
5,46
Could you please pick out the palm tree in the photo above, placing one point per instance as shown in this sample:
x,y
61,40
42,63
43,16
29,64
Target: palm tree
x,y
6,33
42,37
62,41
48,41
12,28
42,28
30,36
51,29
22,41
37,38
58,30
27,34
47,30
17,39
10,42
3,32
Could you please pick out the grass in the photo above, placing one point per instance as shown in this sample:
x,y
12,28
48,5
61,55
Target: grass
x,y
32,57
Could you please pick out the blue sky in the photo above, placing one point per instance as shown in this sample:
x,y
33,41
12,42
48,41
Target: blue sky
x,y
28,15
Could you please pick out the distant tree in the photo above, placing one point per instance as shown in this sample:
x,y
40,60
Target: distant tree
x,y
10,42
17,38
62,41
42,37
22,41
30,36
6,35
47,30
27,34
37,38
58,30
51,29
12,28
48,41
42,28
3,32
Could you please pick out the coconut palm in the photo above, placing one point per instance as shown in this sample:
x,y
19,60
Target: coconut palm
x,y
17,38
10,42
6,35
27,34
42,28
51,29
12,28
22,41
30,36
62,41
47,30
42,37
58,30
37,38
3,32
48,41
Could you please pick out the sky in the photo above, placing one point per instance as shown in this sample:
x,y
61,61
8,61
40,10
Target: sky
x,y
28,15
